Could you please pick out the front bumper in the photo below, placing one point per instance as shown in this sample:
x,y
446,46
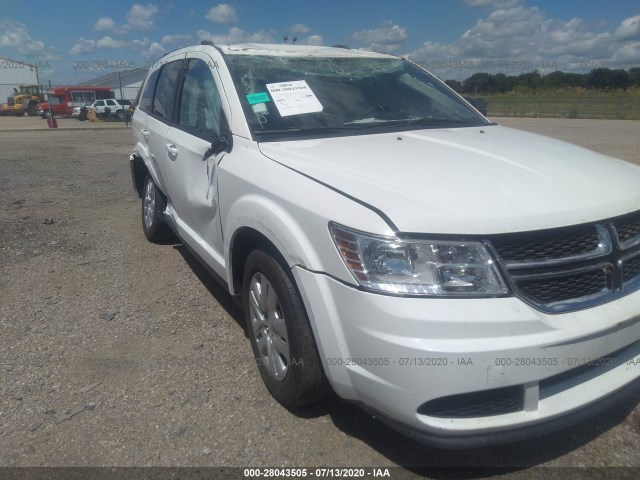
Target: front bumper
x,y
455,371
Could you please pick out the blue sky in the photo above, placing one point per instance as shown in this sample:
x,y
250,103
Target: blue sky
x,y
74,40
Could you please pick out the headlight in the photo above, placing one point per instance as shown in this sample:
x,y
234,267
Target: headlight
x,y
418,267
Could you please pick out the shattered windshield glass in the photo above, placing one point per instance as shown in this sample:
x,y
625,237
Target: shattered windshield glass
x,y
288,96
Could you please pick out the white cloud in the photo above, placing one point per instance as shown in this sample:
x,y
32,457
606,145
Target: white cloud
x,y
141,18
170,39
155,50
108,42
261,36
104,24
493,4
298,28
388,38
234,35
83,45
629,54
629,29
514,38
313,40
16,35
237,35
222,13
143,45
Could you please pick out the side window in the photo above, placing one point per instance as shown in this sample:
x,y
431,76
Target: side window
x,y
146,99
111,103
165,90
200,105
99,103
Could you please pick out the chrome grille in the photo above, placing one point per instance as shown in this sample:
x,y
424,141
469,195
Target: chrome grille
x,y
566,269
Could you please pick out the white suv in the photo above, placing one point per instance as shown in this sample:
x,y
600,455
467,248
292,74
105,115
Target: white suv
x,y
466,282
116,108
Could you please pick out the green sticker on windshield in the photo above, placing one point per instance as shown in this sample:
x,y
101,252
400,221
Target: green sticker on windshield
x,y
260,97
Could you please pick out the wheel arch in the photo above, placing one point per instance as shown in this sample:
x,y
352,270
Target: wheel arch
x,y
245,240
255,220
139,172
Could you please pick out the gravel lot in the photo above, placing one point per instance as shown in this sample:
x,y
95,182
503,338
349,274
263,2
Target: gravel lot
x,y
117,352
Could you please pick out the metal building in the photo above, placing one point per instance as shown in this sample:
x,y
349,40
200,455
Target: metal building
x,y
14,73
130,80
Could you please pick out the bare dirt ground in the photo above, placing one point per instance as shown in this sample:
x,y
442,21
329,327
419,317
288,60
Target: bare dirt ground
x,y
26,123
117,352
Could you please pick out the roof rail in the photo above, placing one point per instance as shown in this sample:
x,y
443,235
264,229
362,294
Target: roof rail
x,y
207,42
340,45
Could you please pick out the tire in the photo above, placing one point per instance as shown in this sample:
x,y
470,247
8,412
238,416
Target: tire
x,y
32,109
120,115
280,334
153,205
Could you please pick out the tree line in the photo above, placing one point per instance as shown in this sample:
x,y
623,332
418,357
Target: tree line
x,y
599,79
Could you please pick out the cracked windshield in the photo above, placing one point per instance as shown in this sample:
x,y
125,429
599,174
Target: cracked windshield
x,y
289,96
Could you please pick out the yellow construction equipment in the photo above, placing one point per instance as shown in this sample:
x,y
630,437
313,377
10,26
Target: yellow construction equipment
x,y
24,100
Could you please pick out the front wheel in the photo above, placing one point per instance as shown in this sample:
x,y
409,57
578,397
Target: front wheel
x,y
153,205
280,334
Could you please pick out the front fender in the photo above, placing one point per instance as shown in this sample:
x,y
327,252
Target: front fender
x,y
276,224
291,210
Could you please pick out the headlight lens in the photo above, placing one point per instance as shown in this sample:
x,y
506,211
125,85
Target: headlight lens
x,y
418,267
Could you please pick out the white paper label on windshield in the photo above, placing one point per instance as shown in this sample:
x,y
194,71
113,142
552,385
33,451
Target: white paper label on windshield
x,y
294,98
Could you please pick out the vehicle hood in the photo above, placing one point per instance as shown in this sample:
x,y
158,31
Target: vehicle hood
x,y
475,180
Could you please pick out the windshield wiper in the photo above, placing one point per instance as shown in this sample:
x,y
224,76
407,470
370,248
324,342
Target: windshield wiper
x,y
310,130
377,122
433,121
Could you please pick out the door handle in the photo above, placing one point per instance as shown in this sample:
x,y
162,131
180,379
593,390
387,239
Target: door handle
x,y
145,132
172,149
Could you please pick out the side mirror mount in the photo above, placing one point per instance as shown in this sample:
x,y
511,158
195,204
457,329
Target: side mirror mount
x,y
224,143
218,146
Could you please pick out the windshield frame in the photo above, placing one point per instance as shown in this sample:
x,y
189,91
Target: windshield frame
x,y
297,130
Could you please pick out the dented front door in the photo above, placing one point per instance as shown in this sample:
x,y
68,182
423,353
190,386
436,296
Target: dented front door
x,y
192,176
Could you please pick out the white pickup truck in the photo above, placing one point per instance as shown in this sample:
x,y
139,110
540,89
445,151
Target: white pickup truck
x,y
467,283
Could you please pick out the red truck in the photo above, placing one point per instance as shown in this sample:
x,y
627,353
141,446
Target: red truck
x,y
63,99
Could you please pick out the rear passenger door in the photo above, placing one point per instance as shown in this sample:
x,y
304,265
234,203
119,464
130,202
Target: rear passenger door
x,y
192,178
159,115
